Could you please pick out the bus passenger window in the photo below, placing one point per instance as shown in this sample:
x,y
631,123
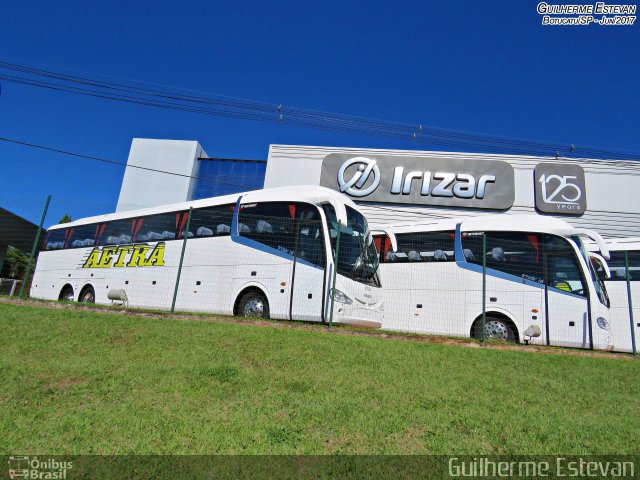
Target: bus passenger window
x,y
117,232
270,223
618,267
212,221
81,236
157,227
515,253
55,239
425,247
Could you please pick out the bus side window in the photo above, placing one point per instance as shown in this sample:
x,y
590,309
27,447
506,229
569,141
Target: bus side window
x,y
117,232
211,221
154,228
424,247
82,236
515,253
618,268
270,223
55,239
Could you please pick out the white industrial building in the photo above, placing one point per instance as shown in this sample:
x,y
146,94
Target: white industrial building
x,y
393,186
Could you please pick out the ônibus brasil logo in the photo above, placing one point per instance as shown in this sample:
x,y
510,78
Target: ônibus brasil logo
x,y
366,167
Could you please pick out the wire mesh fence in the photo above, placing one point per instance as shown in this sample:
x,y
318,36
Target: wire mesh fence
x,y
291,261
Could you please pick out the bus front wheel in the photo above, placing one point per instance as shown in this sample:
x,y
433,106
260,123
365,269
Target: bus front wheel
x,y
496,328
253,304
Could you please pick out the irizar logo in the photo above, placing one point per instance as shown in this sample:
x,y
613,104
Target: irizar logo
x,y
421,180
459,185
563,188
366,167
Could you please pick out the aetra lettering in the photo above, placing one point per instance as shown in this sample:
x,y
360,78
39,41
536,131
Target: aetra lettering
x,y
140,255
460,185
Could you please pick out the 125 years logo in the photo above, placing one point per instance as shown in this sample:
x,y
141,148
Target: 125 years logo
x,y
560,188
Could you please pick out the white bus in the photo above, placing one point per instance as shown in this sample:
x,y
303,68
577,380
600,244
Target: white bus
x,y
625,297
267,253
540,287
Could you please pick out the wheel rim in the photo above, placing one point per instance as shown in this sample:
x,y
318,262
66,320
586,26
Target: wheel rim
x,y
88,297
254,308
68,296
496,330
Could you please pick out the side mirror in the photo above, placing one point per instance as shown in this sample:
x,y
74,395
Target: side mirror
x,y
391,235
600,266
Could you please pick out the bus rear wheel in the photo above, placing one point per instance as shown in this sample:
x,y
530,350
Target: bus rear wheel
x,y
88,295
496,328
253,304
66,295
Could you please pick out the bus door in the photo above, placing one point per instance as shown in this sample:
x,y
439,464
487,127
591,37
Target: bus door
x,y
622,324
566,295
308,270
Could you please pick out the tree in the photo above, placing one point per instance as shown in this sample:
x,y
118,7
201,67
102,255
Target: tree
x,y
65,219
18,262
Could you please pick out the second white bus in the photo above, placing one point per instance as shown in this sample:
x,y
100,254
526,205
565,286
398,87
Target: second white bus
x,y
540,286
624,295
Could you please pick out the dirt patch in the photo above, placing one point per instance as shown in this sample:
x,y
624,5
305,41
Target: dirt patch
x,y
336,329
62,384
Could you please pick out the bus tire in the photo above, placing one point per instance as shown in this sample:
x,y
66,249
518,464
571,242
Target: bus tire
x,y
497,327
66,294
253,303
87,295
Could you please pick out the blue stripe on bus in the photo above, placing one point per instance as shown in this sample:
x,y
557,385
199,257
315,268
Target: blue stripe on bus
x,y
248,242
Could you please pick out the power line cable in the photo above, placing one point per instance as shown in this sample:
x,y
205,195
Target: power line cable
x,y
122,164
218,105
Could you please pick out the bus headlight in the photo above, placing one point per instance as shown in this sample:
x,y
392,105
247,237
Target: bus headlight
x,y
602,323
341,297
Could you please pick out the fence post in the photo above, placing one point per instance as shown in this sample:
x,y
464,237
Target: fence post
x,y
336,259
184,247
484,288
35,247
628,278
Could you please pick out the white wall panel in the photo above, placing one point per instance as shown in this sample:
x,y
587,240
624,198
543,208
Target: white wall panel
x,y
613,187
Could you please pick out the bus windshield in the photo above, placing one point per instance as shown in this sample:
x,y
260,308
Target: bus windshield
x,y
598,284
358,257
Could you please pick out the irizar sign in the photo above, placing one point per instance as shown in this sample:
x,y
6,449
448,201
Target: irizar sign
x,y
454,182
464,184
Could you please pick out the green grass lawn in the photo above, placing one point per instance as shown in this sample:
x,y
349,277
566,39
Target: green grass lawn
x,y
84,382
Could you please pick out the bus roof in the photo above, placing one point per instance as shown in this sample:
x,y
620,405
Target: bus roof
x,y
492,222
303,193
619,244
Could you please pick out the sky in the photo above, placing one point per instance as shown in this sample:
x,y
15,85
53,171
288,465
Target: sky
x,y
486,67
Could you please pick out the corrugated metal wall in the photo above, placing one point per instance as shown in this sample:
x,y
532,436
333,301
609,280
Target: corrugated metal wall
x,y
613,187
